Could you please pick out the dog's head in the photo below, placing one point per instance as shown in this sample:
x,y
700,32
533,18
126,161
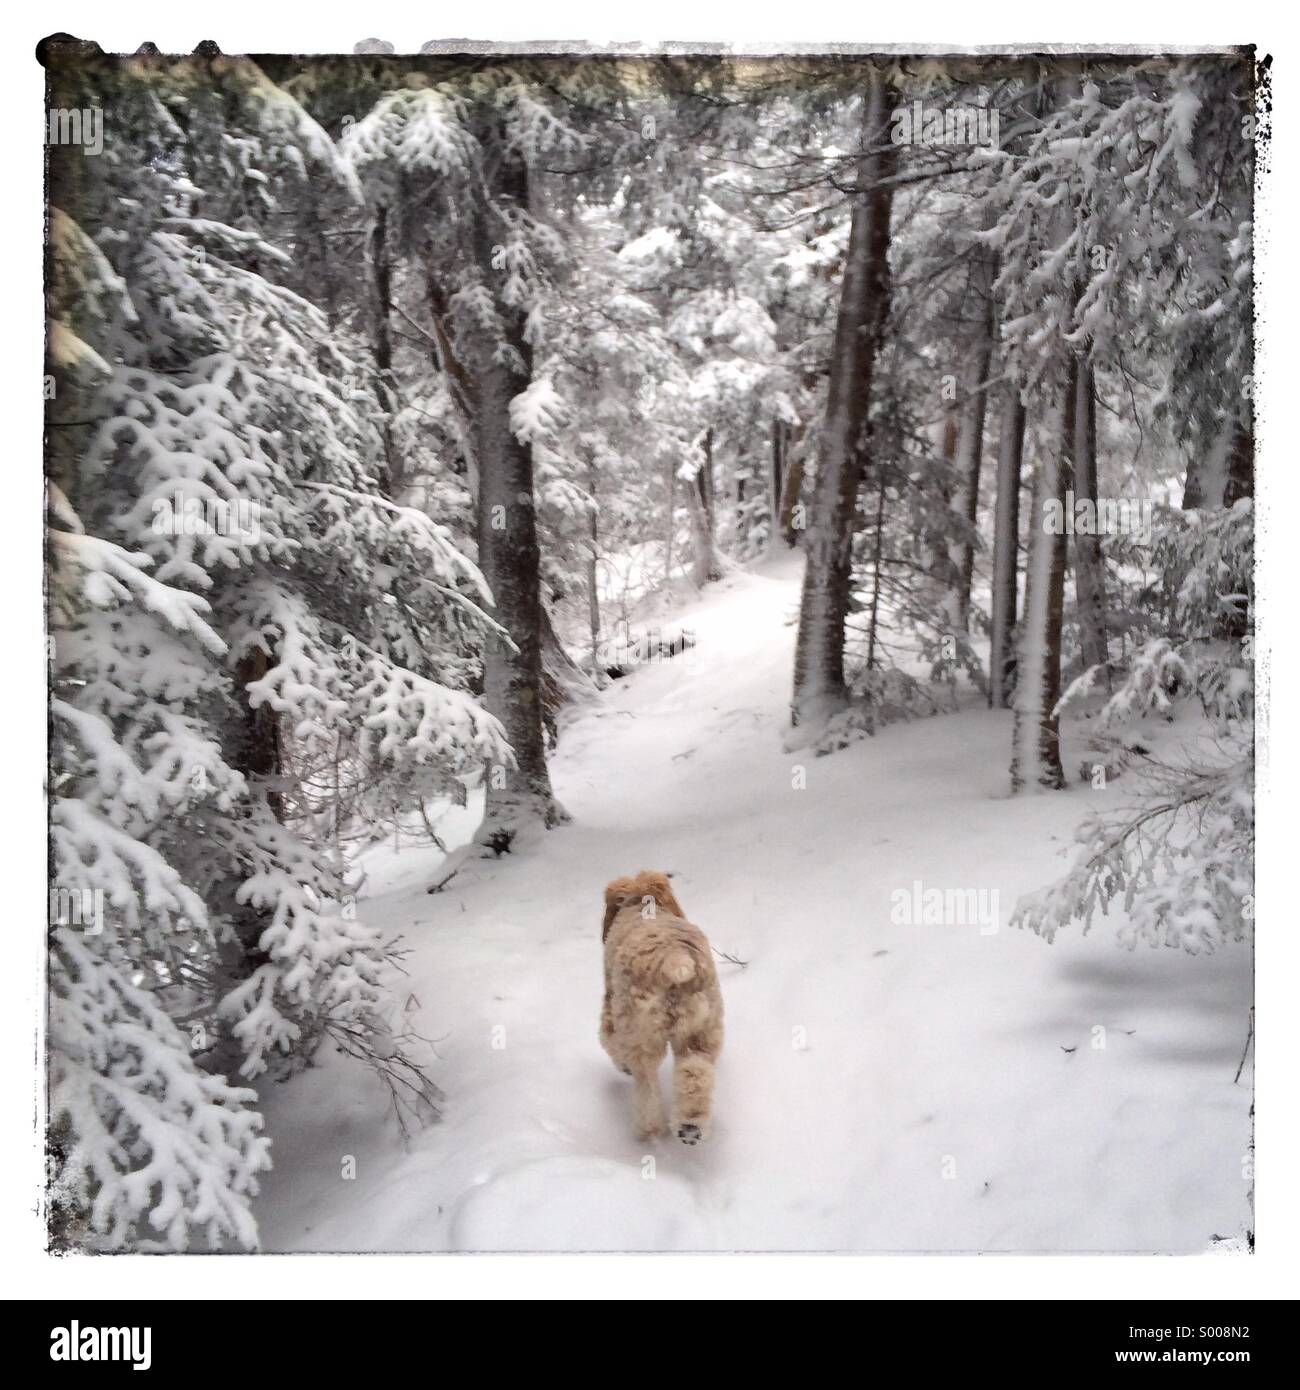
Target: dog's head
x,y
650,883
622,892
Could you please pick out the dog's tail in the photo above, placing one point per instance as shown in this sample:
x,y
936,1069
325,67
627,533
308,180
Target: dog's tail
x,y
677,966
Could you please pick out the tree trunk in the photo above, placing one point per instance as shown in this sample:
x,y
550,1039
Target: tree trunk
x,y
1035,740
593,575
820,690
1006,546
1225,472
791,487
877,567
707,566
1036,744
444,359
777,482
970,442
1089,562
256,750
508,553
381,269
1241,466
670,482
936,557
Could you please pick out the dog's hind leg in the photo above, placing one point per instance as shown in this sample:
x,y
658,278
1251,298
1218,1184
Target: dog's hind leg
x,y
646,1097
692,1094
609,1039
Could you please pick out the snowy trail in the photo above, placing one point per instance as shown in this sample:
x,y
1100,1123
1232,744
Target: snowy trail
x,y
883,1087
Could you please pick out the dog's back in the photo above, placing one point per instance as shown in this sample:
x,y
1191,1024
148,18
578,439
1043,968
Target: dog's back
x,y
663,967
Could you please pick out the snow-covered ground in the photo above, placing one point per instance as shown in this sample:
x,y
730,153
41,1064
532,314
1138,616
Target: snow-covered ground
x,y
885,1086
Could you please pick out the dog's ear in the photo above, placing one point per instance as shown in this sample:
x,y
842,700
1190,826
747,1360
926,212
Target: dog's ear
x,y
653,884
617,893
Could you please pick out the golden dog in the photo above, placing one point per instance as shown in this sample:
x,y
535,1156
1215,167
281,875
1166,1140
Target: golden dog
x,y
661,989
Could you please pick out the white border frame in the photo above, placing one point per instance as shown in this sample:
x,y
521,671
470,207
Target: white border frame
x,y
244,26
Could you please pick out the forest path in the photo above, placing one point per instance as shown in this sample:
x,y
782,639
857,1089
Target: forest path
x,y
883,1087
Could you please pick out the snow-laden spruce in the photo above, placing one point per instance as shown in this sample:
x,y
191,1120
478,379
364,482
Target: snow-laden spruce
x,y
233,600
1179,854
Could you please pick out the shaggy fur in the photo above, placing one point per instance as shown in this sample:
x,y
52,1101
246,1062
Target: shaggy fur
x,y
661,989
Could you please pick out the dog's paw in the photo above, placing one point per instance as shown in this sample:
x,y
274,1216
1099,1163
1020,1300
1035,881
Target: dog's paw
x,y
690,1134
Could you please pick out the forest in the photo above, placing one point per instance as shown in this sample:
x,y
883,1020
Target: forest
x,y
472,476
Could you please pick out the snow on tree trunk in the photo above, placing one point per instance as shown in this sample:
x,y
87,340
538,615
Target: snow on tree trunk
x,y
707,565
936,559
1006,544
256,752
791,487
509,560
1036,746
820,690
509,556
1089,563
